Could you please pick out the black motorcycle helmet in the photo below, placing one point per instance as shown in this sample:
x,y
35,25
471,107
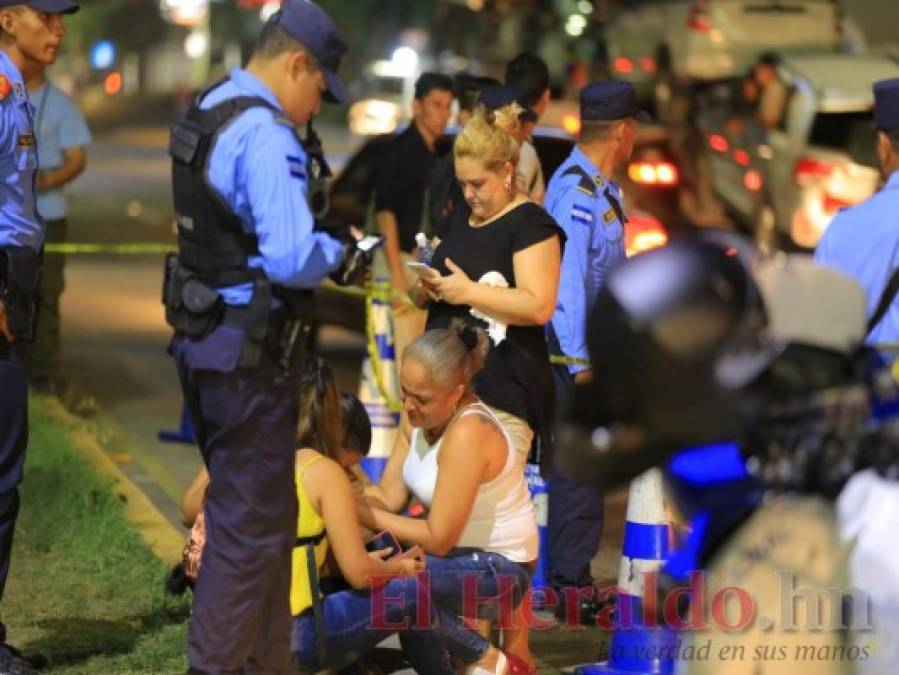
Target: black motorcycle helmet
x,y
674,335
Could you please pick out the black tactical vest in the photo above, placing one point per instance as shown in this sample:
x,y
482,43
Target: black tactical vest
x,y
211,240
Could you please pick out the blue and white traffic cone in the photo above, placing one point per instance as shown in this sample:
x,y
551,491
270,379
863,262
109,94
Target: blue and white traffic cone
x,y
185,434
638,645
379,385
539,489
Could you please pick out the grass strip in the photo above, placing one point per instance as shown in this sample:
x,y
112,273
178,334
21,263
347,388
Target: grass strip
x,y
84,590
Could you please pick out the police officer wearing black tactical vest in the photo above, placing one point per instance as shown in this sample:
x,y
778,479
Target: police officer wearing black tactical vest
x,y
237,295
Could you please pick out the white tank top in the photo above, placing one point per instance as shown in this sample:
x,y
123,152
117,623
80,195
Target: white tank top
x,y
502,518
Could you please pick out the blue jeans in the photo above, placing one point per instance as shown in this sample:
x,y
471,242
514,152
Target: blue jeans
x,y
476,584
355,621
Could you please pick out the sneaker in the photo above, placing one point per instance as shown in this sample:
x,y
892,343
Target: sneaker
x,y
13,662
588,608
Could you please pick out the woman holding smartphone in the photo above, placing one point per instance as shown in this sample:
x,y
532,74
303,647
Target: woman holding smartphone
x,y
385,591
480,532
498,268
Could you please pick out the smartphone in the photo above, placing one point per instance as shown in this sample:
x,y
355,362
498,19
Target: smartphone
x,y
370,243
410,553
421,268
384,540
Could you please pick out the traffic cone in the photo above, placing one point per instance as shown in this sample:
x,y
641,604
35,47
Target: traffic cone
x,y
183,435
539,489
635,646
379,385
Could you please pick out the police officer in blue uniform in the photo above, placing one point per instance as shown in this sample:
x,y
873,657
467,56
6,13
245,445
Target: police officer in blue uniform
x,y
238,296
588,204
30,35
863,241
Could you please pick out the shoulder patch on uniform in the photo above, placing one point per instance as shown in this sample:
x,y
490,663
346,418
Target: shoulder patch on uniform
x,y
586,186
585,183
296,166
5,87
609,216
581,214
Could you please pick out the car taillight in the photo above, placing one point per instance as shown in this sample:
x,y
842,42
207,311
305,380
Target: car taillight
x,y
623,65
697,18
653,173
642,233
648,64
808,169
718,143
752,180
571,124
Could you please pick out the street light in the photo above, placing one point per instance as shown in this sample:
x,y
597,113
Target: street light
x,y
268,10
406,60
196,44
184,12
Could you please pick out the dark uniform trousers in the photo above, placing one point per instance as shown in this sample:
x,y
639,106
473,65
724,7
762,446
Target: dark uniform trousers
x,y
13,440
575,518
44,353
246,423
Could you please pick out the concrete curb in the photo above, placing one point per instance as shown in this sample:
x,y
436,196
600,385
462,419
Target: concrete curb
x,y
164,540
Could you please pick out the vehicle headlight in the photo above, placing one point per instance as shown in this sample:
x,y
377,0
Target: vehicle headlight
x,y
373,116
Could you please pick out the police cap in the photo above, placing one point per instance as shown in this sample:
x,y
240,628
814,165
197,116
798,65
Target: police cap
x,y
501,95
886,104
50,6
310,24
606,101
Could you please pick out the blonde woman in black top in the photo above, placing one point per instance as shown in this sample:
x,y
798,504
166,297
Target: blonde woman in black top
x,y
498,268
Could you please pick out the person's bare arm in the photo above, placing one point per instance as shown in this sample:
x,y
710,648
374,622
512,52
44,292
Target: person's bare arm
x,y
387,226
330,493
391,493
192,501
458,478
530,303
74,163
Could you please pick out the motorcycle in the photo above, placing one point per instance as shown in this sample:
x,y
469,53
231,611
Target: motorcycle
x,y
746,380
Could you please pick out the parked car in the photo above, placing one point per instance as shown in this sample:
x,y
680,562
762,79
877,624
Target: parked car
x,y
785,184
649,184
665,47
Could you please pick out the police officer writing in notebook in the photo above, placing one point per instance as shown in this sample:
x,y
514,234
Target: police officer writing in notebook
x,y
587,203
30,37
238,297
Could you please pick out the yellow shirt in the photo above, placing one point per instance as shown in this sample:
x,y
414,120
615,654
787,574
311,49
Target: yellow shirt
x,y
309,524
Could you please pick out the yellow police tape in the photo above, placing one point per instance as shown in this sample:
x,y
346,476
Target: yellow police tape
x,y
111,249
383,293
558,360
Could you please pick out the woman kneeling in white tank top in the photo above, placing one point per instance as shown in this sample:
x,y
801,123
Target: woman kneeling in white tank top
x,y
453,454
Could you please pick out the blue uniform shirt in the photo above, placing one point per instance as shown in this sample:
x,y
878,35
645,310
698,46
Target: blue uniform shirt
x,y
20,224
582,206
59,126
259,168
863,242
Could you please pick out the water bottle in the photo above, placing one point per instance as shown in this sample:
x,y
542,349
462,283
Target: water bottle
x,y
425,250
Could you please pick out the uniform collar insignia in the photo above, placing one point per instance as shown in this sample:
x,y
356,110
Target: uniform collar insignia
x,y
599,181
18,89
